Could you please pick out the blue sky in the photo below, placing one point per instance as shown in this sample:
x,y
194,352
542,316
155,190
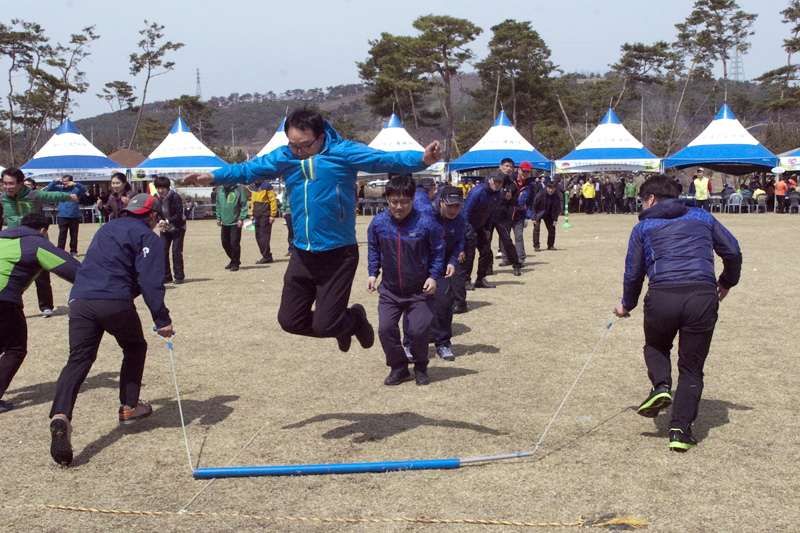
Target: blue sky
x,y
259,46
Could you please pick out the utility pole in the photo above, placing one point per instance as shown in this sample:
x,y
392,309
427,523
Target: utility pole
x,y
198,92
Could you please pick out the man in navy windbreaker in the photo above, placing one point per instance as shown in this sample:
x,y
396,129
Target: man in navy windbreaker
x,y
124,260
320,170
406,246
674,246
479,208
69,213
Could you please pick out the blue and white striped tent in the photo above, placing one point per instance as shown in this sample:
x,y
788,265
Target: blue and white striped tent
x,y
725,146
394,138
501,141
69,152
277,140
181,152
609,148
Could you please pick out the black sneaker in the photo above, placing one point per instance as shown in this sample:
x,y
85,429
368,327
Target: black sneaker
x,y
659,399
458,309
234,268
364,332
421,376
681,442
396,377
469,286
490,271
178,281
344,342
517,271
481,283
5,406
228,266
61,440
551,248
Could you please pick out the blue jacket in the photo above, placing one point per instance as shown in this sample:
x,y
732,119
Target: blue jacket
x,y
24,253
480,205
68,209
124,260
674,245
452,231
422,201
322,188
409,252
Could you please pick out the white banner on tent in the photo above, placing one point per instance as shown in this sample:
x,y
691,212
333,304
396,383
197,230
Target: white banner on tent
x,y
608,165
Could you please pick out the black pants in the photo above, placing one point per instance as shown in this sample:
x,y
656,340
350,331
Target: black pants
x,y
68,225
464,270
231,243
263,236
418,308
551,232
88,320
703,204
484,249
324,280
692,311
630,204
13,342
504,237
609,204
44,291
588,203
288,218
176,240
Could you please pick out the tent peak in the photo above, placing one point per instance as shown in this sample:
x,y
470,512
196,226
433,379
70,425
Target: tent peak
x,y
393,122
725,112
610,117
67,127
502,120
179,126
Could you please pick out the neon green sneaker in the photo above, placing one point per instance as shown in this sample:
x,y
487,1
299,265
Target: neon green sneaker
x,y
680,442
659,399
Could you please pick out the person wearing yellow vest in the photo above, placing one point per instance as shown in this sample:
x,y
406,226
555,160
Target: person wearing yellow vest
x,y
263,210
588,196
702,188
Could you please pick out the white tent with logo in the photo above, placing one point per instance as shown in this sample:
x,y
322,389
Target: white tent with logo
x,y
69,152
609,148
277,140
181,152
501,141
725,146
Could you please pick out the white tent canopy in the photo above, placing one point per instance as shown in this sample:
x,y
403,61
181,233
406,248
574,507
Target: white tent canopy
x,y
394,138
277,140
181,152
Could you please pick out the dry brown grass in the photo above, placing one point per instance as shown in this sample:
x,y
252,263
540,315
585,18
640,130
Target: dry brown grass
x,y
519,350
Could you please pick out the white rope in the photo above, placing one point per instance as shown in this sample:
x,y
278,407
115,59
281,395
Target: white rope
x,y
178,395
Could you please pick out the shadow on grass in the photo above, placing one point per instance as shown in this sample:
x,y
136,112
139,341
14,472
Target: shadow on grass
x,y
165,415
196,280
365,427
460,329
472,349
45,392
711,414
443,373
472,305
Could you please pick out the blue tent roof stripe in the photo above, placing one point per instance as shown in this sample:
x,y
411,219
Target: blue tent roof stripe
x,y
502,120
393,122
71,162
67,127
283,124
69,151
179,126
610,118
183,162
169,155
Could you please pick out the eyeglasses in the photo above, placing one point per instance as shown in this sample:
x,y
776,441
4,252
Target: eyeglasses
x,y
304,146
399,203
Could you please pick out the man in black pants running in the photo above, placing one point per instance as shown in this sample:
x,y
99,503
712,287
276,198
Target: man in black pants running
x,y
683,296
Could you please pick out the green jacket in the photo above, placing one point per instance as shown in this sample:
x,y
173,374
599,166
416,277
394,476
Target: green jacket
x,y
231,205
23,204
631,190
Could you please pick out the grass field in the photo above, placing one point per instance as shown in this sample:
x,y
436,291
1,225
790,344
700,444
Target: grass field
x,y
519,349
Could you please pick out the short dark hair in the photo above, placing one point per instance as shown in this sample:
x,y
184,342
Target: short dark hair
x,y
162,181
507,160
660,186
15,173
33,181
400,185
305,119
35,221
68,176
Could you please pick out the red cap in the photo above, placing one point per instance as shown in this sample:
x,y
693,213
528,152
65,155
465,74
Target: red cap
x,y
525,165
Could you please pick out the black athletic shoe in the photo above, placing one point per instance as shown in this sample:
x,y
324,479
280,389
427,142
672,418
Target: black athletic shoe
x,y
264,261
421,377
228,266
504,264
537,249
5,406
469,286
396,377
517,271
234,268
458,309
178,281
481,283
364,332
551,248
60,440
344,342
659,399
490,272
681,442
